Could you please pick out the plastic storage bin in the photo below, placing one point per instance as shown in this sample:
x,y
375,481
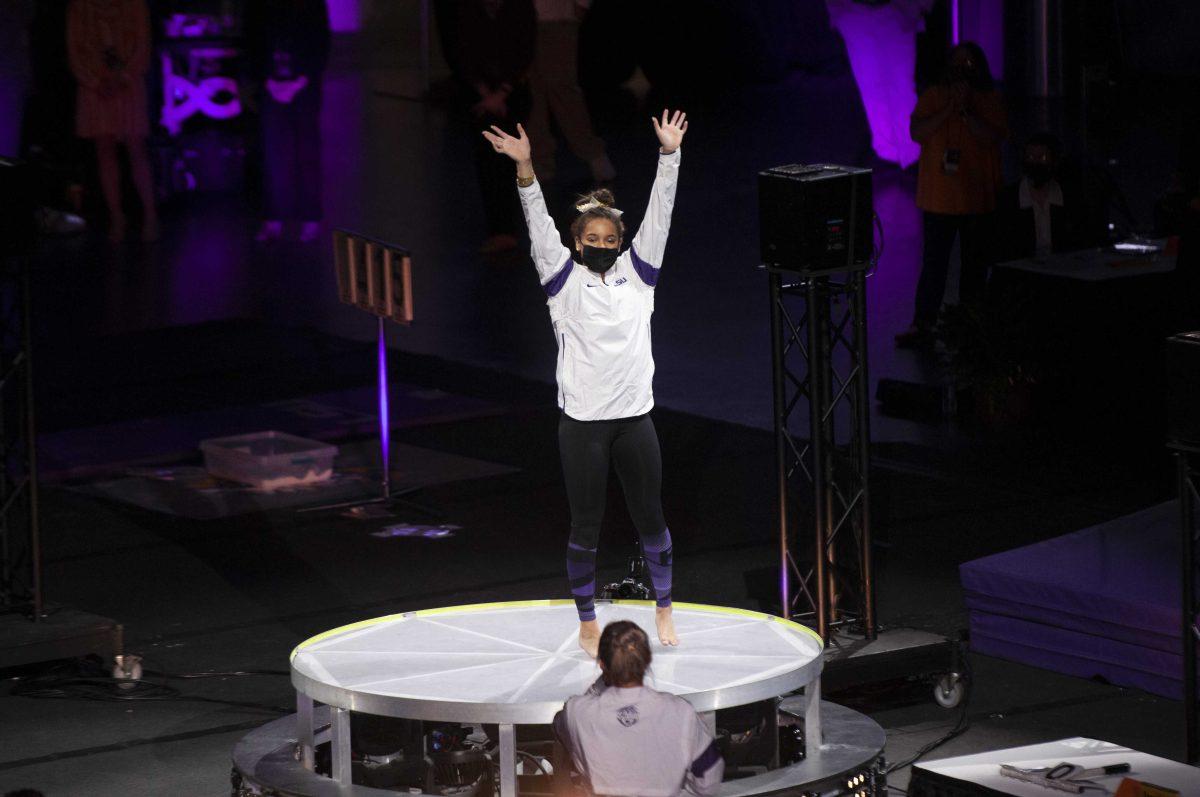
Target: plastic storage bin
x,y
269,460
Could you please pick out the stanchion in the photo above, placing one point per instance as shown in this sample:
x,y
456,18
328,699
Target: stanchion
x,y
31,630
376,277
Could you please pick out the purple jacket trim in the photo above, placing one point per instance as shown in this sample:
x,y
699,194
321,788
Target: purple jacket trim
x,y
647,272
707,759
557,282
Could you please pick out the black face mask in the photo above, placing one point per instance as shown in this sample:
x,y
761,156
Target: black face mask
x,y
1039,173
599,259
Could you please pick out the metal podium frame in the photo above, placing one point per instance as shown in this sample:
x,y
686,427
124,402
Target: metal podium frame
x,y
313,689
819,368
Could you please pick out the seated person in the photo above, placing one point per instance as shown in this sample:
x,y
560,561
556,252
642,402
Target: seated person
x,y
628,740
1037,215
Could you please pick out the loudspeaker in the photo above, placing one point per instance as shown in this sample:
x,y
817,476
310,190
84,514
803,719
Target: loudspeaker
x,y
1183,391
816,219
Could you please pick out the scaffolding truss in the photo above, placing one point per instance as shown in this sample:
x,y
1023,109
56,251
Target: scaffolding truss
x,y
822,449
20,559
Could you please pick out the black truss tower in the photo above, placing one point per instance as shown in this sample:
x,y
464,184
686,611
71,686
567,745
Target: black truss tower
x,y
822,448
20,559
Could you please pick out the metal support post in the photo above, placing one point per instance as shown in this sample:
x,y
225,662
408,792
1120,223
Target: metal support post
x,y
778,375
773,731
508,761
340,745
813,735
385,430
304,731
862,449
818,352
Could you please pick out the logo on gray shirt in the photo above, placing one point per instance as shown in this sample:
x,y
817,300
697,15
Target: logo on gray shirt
x,y
627,716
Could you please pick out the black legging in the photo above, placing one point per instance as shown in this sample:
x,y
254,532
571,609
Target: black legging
x,y
586,449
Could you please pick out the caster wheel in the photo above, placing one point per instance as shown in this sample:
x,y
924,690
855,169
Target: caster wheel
x,y
949,690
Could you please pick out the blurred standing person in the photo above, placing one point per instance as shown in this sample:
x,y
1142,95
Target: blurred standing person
x,y
959,123
108,47
556,93
287,52
881,42
490,48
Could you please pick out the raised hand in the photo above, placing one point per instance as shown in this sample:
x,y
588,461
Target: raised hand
x,y
515,148
670,133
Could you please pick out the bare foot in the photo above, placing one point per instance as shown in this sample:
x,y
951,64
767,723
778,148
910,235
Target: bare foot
x,y
666,626
589,637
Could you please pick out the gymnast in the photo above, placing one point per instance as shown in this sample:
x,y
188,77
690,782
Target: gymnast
x,y
600,301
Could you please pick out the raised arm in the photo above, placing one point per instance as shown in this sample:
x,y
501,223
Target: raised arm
x,y
651,240
552,259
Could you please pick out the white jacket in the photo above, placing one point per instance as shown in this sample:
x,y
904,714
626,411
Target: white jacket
x,y
605,366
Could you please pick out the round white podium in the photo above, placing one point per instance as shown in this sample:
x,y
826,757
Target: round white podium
x,y
516,663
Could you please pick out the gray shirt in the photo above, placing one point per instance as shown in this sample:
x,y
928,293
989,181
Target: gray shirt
x,y
638,742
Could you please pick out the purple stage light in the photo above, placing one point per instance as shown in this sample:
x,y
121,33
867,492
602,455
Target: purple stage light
x,y
882,46
385,431
345,16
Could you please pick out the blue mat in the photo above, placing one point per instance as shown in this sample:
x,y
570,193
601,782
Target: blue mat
x,y
1103,602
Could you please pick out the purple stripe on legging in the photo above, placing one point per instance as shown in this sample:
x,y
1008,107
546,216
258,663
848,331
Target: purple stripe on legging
x,y
658,560
581,573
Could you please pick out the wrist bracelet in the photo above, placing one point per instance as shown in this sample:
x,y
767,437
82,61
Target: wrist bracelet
x,y
525,182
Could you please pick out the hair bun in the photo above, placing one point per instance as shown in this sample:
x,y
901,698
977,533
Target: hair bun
x,y
601,196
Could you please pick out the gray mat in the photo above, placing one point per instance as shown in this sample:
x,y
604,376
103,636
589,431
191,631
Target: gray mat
x,y
188,491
